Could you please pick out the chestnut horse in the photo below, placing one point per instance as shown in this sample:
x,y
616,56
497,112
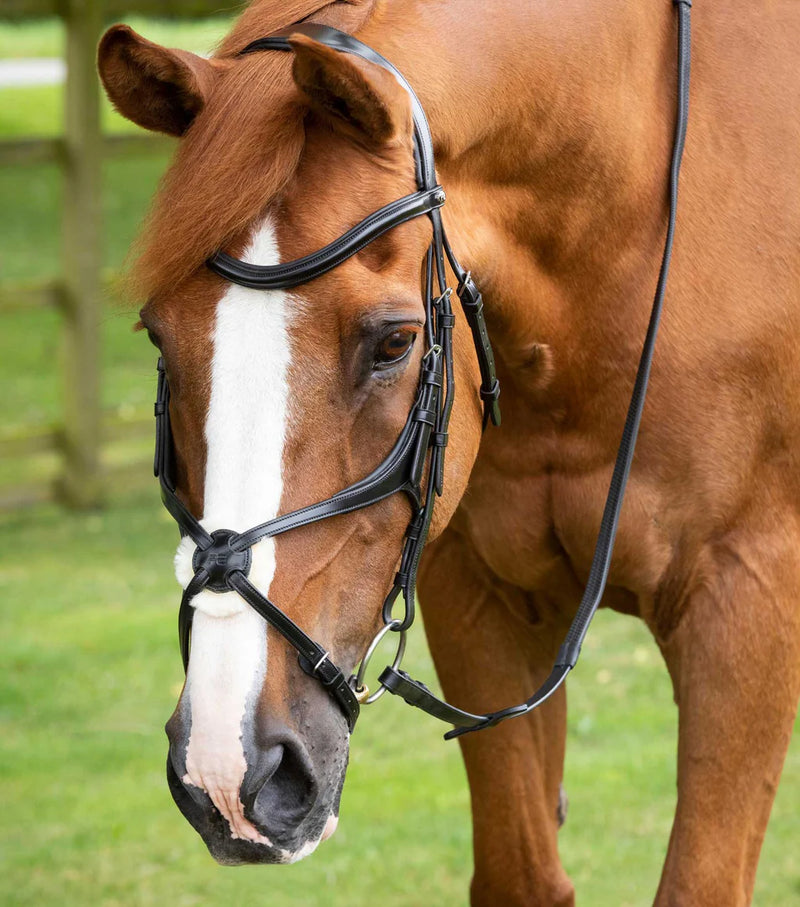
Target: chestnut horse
x,y
552,125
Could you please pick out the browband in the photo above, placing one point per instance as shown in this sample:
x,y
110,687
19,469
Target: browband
x,y
309,267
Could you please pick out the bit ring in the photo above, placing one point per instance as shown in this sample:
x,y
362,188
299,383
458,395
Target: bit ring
x,y
359,688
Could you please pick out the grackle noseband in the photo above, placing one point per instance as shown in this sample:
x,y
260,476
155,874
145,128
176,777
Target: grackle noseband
x,y
415,465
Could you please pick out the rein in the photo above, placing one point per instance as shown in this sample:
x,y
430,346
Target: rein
x,y
415,465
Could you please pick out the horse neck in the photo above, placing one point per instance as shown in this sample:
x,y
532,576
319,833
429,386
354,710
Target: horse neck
x,y
552,125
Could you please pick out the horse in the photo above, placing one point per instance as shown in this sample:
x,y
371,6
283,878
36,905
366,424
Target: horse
x,y
552,127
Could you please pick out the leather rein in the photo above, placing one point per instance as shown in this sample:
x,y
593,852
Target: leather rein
x,y
415,465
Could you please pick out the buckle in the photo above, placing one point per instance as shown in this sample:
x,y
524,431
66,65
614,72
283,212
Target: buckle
x,y
469,294
492,393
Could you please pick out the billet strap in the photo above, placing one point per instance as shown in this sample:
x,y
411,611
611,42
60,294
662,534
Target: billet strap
x,y
310,267
416,693
472,303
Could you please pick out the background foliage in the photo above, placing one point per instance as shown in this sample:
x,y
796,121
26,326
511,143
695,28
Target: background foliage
x,y
91,669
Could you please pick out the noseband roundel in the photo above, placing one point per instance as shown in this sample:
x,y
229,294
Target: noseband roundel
x,y
415,465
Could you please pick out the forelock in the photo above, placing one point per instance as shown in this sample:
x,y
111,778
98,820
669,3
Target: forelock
x,y
234,160
239,153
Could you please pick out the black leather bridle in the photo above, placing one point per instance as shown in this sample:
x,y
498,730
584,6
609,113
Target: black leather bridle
x,y
415,465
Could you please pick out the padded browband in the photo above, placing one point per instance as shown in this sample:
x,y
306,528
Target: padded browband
x,y
303,270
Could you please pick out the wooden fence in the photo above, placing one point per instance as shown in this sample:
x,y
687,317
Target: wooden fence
x,y
78,293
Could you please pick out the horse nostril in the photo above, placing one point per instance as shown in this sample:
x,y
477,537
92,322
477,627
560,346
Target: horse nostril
x,y
281,791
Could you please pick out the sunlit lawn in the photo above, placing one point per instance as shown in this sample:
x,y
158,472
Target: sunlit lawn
x,y
90,669
91,672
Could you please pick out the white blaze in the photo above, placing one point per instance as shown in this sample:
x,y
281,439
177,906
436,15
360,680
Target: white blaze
x,y
245,432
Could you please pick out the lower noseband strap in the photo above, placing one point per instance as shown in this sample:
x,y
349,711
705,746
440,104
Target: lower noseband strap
x,y
313,658
216,571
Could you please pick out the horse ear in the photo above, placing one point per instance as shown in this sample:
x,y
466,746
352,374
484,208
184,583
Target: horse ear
x,y
155,87
355,96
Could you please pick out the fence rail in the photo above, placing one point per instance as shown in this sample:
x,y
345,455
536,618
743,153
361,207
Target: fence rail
x,y
163,9
25,442
79,440
35,295
54,151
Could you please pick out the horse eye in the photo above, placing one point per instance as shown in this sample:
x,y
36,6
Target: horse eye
x,y
394,347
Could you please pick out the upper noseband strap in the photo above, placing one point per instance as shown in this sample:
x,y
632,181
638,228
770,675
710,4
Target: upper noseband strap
x,y
314,659
400,471
163,465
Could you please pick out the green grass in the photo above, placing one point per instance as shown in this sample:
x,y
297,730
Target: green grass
x,y
37,110
30,217
90,674
90,669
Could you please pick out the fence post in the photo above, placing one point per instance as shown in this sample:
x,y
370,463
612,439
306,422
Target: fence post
x,y
80,484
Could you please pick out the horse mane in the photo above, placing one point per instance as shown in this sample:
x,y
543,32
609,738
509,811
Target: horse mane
x,y
236,157
262,17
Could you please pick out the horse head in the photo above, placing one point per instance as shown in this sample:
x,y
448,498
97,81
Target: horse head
x,y
279,398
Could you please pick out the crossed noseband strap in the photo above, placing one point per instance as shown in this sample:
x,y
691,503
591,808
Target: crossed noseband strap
x,y
415,465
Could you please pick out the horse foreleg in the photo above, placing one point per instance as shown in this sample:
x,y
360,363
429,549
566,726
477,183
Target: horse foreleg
x,y
734,657
492,648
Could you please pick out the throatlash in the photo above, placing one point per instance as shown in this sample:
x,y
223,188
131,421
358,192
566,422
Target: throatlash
x,y
222,558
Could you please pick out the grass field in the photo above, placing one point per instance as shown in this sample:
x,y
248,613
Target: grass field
x,y
90,668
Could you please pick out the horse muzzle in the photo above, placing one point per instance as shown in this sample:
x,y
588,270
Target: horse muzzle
x,y
287,801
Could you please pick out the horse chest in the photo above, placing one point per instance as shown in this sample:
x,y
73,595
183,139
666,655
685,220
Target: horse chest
x,y
536,527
